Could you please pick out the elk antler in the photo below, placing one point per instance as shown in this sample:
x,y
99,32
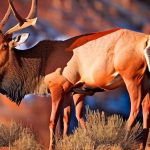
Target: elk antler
x,y
33,10
18,17
23,22
4,20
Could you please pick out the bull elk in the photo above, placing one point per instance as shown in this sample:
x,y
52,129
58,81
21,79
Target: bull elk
x,y
23,72
106,61
101,61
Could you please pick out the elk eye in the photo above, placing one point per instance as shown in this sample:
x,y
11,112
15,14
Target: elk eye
x,y
5,45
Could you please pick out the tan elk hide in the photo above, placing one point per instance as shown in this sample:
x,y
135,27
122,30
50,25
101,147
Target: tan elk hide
x,y
110,61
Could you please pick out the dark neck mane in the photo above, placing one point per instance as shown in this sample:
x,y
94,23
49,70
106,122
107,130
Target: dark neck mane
x,y
24,73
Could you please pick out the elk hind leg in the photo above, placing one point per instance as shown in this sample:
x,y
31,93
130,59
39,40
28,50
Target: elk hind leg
x,y
146,119
135,93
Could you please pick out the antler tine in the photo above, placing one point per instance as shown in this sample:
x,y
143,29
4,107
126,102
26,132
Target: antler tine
x,y
23,22
33,10
18,17
5,19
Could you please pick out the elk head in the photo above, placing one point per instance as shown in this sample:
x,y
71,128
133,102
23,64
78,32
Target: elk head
x,y
6,41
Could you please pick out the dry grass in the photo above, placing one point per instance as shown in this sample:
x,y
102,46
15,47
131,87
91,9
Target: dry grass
x,y
16,137
102,133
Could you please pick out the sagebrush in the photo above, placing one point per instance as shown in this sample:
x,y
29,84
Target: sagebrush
x,y
17,137
101,133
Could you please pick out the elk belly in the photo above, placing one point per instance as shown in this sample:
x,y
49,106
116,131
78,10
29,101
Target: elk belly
x,y
107,82
114,83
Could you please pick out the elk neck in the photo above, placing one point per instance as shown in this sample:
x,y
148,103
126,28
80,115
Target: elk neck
x,y
24,71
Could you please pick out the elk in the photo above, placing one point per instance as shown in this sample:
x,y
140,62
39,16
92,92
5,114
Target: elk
x,y
25,72
32,71
120,57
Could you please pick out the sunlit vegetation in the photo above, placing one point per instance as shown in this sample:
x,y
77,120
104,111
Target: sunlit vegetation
x,y
17,137
102,133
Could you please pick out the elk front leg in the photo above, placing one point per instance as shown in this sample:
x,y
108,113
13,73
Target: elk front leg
x,y
67,114
78,102
56,96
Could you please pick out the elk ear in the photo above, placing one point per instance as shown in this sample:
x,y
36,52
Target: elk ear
x,y
20,39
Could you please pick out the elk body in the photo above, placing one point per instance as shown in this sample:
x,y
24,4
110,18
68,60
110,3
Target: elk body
x,y
110,61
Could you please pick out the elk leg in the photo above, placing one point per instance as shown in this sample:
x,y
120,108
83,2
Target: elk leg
x,y
135,94
56,96
66,117
146,119
78,101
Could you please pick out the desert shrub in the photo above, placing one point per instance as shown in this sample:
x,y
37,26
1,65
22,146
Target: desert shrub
x,y
102,133
17,137
8,134
26,141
